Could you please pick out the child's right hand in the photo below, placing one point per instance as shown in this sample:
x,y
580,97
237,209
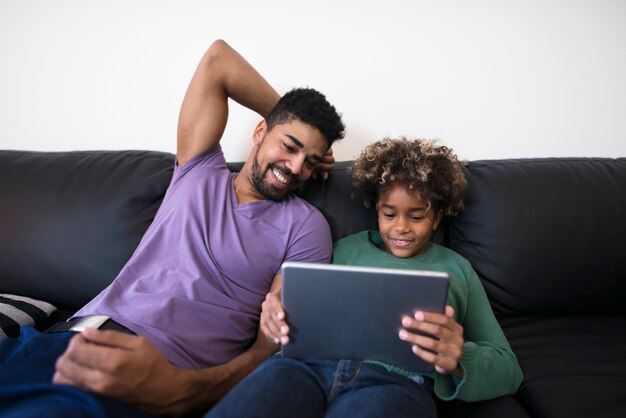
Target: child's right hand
x,y
272,322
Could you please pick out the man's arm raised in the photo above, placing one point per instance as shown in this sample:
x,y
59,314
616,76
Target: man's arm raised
x,y
129,367
221,74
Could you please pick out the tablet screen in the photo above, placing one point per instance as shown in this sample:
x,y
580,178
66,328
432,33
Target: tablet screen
x,y
349,312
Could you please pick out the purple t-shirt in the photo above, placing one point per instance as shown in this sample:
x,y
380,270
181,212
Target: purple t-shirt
x,y
195,284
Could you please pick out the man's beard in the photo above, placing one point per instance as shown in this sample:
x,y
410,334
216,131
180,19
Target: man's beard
x,y
265,189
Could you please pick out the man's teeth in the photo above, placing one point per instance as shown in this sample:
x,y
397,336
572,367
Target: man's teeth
x,y
280,177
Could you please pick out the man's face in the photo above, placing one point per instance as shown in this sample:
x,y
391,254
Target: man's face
x,y
406,222
285,157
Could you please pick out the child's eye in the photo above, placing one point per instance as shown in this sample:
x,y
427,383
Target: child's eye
x,y
389,215
417,218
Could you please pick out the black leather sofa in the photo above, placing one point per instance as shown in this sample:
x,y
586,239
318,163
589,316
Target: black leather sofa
x,y
546,236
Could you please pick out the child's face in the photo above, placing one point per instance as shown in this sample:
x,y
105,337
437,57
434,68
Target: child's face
x,y
406,222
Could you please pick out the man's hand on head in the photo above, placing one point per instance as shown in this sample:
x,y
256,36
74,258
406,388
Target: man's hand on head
x,y
324,167
121,366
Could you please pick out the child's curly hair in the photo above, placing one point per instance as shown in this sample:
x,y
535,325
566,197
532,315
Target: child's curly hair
x,y
432,171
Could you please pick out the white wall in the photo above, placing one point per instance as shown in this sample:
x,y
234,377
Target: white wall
x,y
492,79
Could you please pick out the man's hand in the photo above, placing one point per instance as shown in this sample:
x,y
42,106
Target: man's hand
x,y
444,350
122,366
272,322
324,167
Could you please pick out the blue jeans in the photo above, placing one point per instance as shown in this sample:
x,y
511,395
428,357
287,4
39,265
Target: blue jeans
x,y
26,388
284,387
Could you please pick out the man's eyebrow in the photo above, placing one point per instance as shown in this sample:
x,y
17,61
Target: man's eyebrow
x,y
295,141
300,145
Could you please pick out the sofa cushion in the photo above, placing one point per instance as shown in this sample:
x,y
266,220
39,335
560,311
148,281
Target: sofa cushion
x,y
546,238
73,219
547,235
333,198
16,311
574,366
505,406
576,397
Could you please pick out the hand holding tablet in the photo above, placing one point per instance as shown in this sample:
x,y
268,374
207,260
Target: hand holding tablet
x,y
337,312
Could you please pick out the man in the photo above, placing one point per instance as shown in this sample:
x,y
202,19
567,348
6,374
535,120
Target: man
x,y
192,292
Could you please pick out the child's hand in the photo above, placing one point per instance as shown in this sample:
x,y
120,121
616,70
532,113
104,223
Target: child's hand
x,y
272,320
443,351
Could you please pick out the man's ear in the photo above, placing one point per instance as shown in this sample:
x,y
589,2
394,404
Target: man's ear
x,y
259,132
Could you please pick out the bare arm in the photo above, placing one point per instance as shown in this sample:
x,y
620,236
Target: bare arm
x,y
273,323
221,74
201,389
131,369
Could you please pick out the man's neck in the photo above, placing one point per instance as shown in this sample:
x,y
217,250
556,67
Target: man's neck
x,y
245,192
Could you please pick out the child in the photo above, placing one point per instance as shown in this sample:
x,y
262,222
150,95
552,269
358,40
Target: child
x,y
413,185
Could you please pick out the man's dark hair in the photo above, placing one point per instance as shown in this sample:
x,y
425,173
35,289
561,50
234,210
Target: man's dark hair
x,y
311,107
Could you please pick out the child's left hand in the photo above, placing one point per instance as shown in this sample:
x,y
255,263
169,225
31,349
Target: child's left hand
x,y
444,350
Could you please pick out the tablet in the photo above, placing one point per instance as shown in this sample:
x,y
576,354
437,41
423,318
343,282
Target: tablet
x,y
348,312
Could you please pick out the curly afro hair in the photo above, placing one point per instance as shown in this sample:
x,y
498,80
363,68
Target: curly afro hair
x,y
431,171
312,108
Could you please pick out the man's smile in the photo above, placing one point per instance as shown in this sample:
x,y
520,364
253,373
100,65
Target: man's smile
x,y
279,176
283,179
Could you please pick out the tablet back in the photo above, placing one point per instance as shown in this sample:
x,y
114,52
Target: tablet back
x,y
346,312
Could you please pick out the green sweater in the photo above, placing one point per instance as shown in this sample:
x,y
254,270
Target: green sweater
x,y
489,365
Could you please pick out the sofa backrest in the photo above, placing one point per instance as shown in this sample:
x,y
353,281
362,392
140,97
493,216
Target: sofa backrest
x,y
544,235
69,221
333,198
547,235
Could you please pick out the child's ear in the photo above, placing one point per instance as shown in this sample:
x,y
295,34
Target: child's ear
x,y
437,219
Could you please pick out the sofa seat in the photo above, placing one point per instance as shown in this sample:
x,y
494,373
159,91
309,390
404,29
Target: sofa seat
x,y
573,365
